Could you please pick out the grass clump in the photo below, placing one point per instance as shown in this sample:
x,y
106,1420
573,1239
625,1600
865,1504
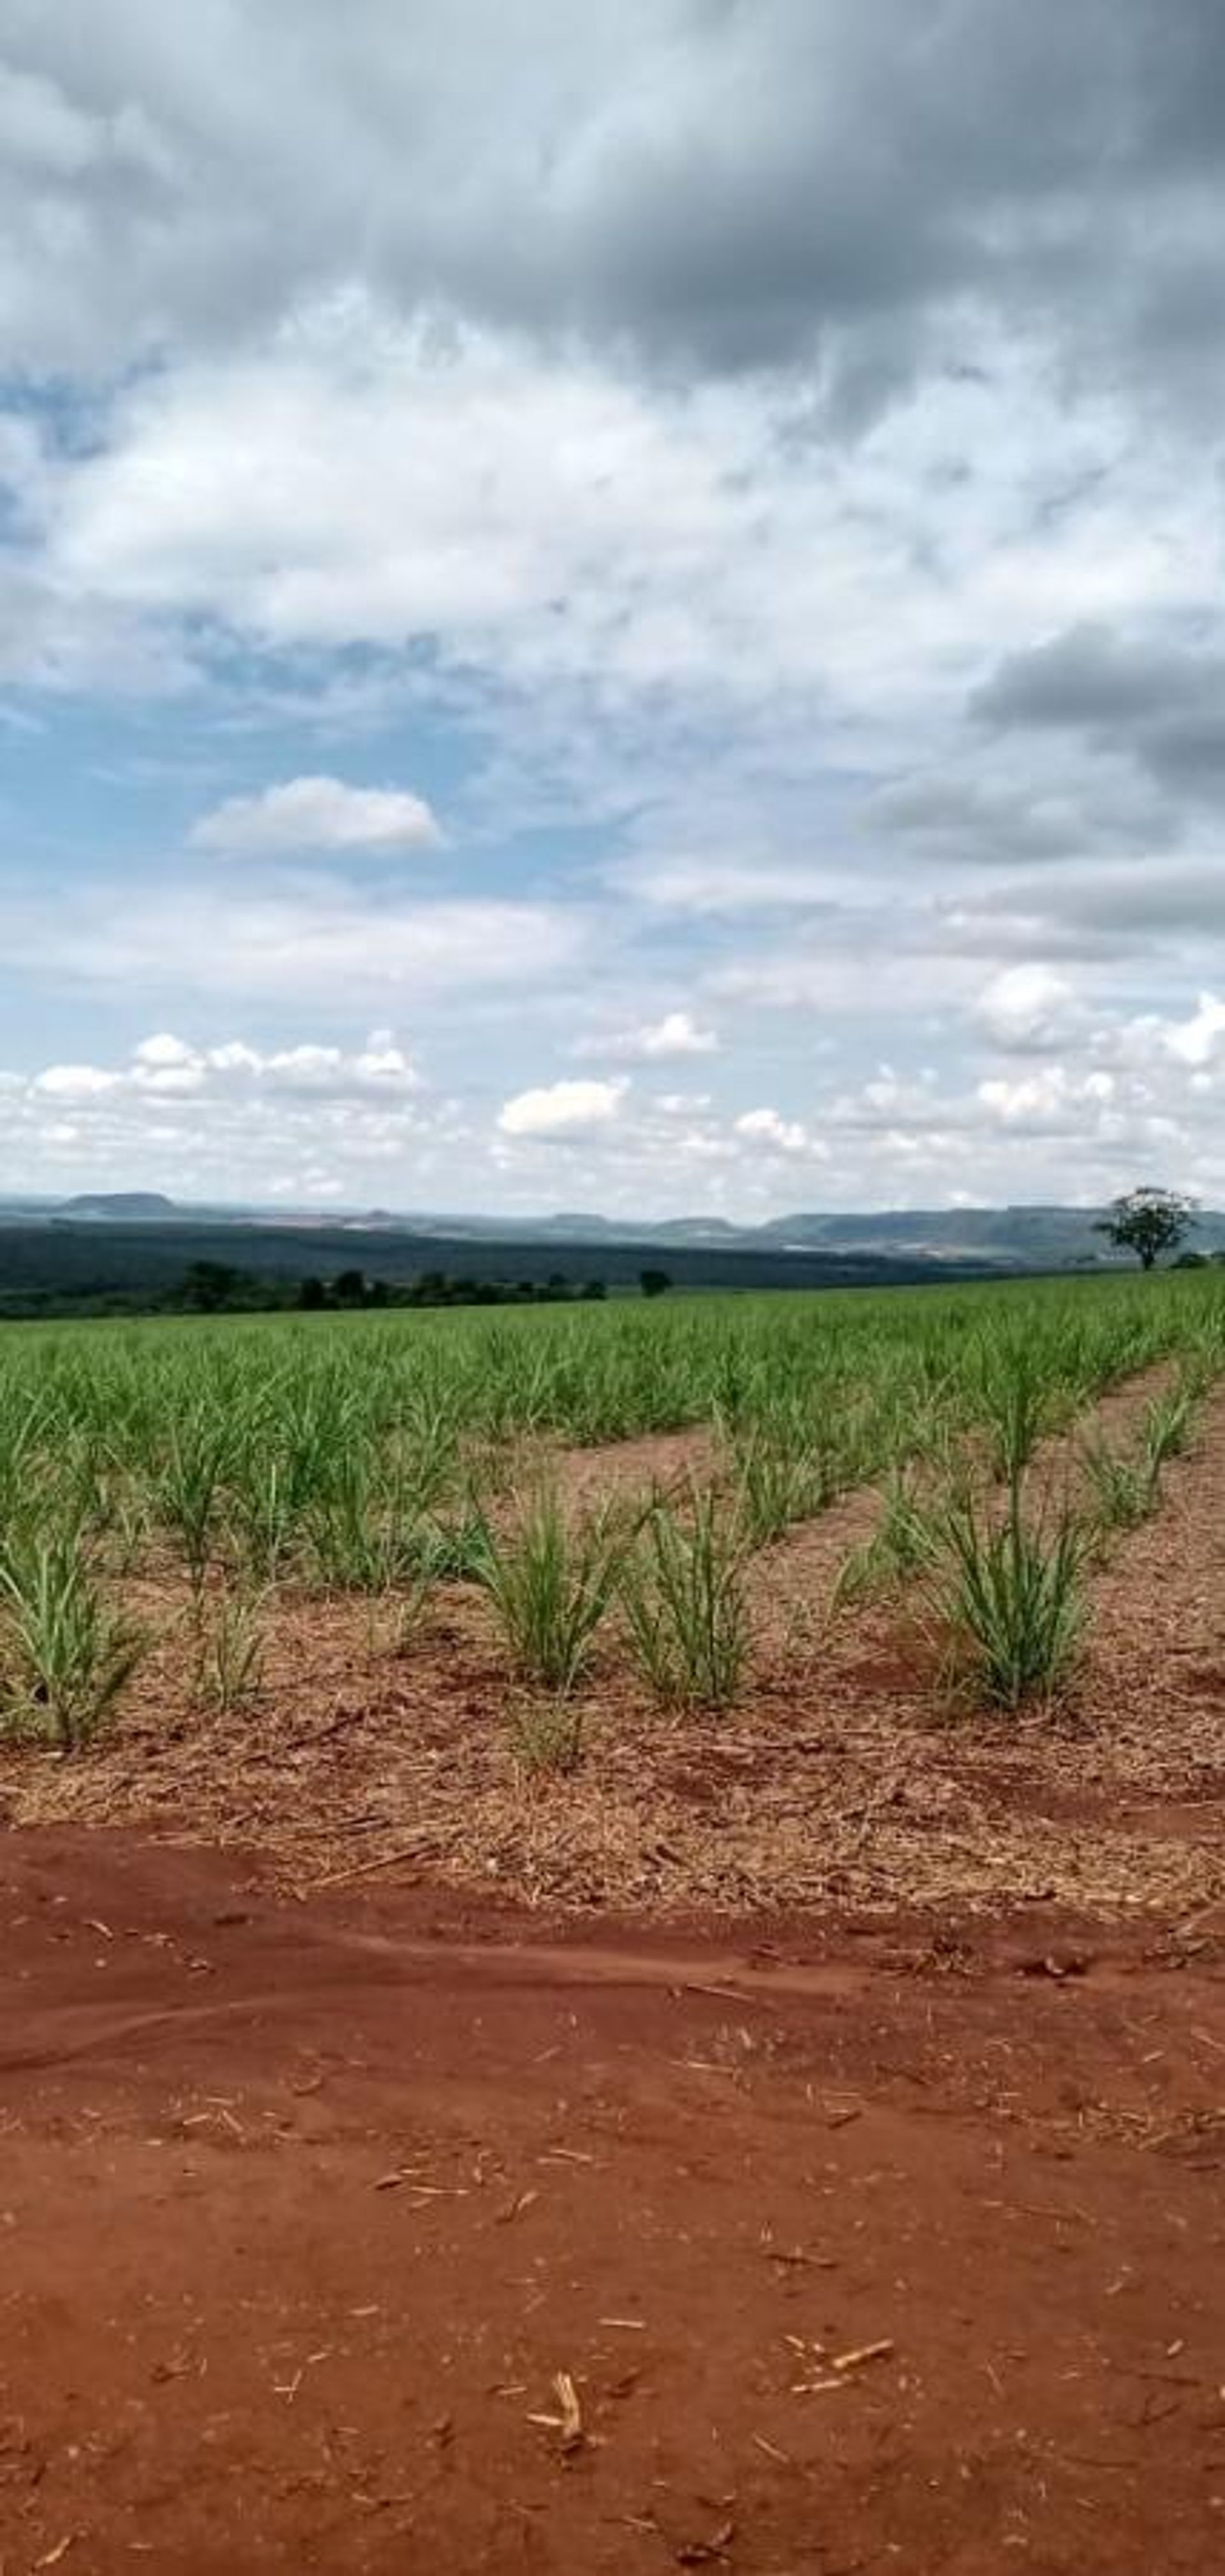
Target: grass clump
x,y
1127,1490
1167,1425
1011,1593
551,1581
1020,1398
1124,1491
68,1653
188,1490
686,1604
230,1657
780,1480
905,1542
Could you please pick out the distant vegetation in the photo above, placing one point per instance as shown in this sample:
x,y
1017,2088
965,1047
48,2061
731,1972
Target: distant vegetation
x,y
135,1254
77,1266
1149,1222
214,1288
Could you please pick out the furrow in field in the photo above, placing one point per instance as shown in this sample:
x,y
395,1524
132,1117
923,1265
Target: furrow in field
x,y
838,1779
1153,1693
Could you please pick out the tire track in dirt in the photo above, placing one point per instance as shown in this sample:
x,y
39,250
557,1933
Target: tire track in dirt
x,y
915,2272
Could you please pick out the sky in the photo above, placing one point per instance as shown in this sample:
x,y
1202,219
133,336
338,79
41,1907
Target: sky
x,y
612,608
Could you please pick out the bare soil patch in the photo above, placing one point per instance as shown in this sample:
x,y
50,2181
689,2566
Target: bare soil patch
x,y
401,2233
633,1468
791,2143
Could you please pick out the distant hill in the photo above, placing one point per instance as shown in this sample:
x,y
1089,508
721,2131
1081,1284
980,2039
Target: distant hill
x,y
1021,1237
134,1246
121,1207
68,1263
1008,1238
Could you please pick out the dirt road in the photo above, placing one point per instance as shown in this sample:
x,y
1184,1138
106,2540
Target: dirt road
x,y
389,2234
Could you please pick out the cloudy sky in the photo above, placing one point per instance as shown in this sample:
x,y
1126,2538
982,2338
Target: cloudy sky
x,y
613,606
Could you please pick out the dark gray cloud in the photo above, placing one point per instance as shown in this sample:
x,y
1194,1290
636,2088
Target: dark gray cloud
x,y
720,184
1097,913
1164,904
1001,823
1089,678
1163,705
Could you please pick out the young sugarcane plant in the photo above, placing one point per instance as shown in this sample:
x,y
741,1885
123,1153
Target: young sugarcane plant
x,y
1011,1594
686,1604
551,1581
230,1656
69,1654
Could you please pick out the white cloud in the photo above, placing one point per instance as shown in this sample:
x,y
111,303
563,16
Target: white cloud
x,y
1025,1007
677,1034
224,1119
780,1135
228,1117
163,1050
308,946
74,1082
1197,1040
561,1108
1051,1098
543,514
703,882
160,1061
319,814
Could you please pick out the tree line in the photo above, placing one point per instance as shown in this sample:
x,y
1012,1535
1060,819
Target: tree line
x,y
219,1288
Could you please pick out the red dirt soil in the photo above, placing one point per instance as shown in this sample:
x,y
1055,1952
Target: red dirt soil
x,y
304,2208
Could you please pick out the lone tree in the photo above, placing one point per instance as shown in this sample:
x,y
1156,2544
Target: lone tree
x,y
1148,1222
654,1283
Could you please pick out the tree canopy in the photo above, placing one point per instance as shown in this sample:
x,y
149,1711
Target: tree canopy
x,y
1148,1222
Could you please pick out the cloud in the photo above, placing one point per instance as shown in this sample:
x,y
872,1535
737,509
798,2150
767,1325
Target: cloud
x,y
74,1082
551,517
165,1063
709,187
1158,702
1197,1041
1025,1008
706,883
762,458
164,1052
319,814
561,1109
779,1135
226,1119
969,821
654,1042
302,946
1045,1100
